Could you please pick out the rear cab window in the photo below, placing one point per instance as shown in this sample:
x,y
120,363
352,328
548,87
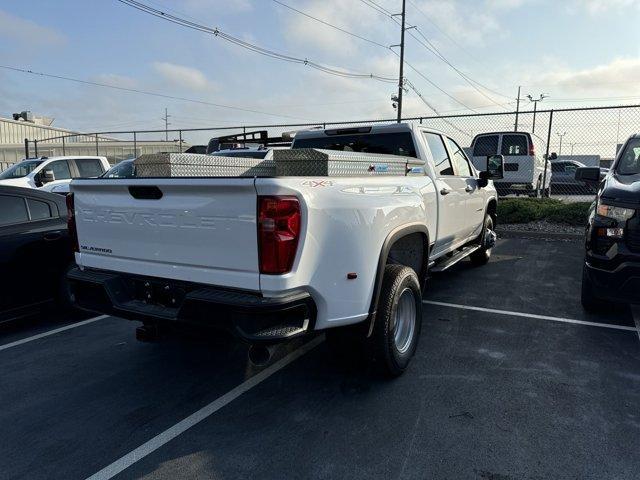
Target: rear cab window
x,y
394,143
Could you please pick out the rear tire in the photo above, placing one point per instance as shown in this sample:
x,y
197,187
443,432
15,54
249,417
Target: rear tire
x,y
589,301
483,254
398,320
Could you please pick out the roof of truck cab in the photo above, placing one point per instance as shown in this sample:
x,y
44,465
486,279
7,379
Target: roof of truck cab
x,y
352,130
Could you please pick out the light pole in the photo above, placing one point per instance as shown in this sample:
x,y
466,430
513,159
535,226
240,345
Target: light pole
x,y
561,135
535,108
572,145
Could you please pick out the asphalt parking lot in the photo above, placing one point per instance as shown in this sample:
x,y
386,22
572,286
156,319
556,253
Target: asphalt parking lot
x,y
511,381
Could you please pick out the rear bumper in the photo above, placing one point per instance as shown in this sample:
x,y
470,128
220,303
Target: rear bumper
x,y
248,315
619,285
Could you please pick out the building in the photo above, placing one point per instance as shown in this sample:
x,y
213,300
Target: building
x,y
28,136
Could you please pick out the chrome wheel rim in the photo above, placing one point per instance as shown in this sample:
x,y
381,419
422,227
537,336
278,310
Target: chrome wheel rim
x,y
405,321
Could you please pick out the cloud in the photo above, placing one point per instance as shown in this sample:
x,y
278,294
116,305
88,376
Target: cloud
x,y
29,32
233,6
620,75
595,7
470,24
308,32
184,77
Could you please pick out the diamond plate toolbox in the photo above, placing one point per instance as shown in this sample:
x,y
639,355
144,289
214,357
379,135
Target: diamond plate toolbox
x,y
198,165
311,162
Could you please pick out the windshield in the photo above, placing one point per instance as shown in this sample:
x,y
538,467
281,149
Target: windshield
x,y
124,169
21,169
629,163
389,143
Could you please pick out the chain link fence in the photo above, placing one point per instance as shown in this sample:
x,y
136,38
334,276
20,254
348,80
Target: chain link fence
x,y
542,149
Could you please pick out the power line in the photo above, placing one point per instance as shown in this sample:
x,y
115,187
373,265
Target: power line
x,y
443,32
383,11
335,27
412,87
144,92
433,49
250,46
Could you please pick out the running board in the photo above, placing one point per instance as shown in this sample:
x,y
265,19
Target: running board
x,y
447,262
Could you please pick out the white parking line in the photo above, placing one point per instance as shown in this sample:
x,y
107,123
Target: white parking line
x,y
635,311
531,315
161,439
51,332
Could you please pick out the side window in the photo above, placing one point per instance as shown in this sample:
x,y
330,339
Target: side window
x,y
570,168
439,153
60,169
461,165
12,210
38,210
485,145
515,145
88,167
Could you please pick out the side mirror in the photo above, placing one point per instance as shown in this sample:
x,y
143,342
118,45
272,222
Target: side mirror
x,y
589,175
494,170
37,180
47,176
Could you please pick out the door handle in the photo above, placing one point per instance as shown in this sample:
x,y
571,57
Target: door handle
x,y
468,188
445,191
53,236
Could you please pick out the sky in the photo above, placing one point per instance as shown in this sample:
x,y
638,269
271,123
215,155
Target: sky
x,y
578,52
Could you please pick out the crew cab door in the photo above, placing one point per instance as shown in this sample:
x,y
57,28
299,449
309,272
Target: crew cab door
x,y
474,198
452,197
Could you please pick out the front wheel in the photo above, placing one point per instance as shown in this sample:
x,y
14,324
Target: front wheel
x,y
487,241
398,320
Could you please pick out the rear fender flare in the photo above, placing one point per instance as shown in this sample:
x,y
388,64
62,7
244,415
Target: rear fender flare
x,y
387,245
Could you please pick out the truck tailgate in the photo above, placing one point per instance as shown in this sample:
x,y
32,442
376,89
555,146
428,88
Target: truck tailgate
x,y
198,230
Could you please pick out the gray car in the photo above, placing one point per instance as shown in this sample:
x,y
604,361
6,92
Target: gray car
x,y
563,180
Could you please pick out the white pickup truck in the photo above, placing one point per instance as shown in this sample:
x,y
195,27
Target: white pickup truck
x,y
273,258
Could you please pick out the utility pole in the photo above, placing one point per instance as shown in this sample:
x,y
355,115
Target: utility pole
x,y
166,125
572,145
561,135
535,108
401,76
517,108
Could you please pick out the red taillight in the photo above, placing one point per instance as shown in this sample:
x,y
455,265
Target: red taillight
x,y
71,223
278,233
532,149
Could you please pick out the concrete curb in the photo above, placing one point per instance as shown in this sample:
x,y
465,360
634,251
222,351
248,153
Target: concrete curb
x,y
538,235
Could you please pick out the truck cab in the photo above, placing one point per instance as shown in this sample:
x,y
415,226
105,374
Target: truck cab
x,y
48,173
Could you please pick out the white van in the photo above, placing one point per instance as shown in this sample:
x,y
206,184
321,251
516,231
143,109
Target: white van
x,y
524,162
48,173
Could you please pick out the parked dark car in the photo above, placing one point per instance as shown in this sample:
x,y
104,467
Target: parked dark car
x,y
35,250
564,180
612,265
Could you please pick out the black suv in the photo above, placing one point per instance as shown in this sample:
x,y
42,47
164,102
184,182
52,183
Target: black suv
x,y
612,264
